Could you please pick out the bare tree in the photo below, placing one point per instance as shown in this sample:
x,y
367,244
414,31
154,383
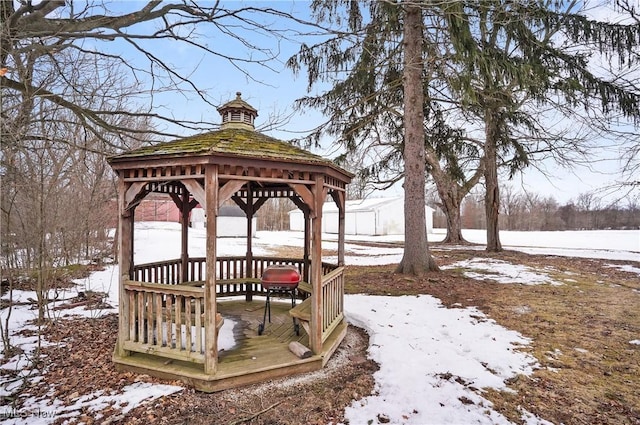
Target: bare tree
x,y
50,163
274,214
68,99
55,28
512,208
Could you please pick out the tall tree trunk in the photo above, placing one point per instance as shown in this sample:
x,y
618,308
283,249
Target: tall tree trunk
x,y
451,207
416,259
450,194
492,194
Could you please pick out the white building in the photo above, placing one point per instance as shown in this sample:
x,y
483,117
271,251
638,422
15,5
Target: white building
x,y
232,222
374,217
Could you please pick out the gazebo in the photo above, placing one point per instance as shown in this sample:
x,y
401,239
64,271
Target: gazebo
x,y
170,312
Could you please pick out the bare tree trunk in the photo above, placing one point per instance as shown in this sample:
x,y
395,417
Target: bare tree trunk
x,y
42,235
7,348
451,206
416,259
492,193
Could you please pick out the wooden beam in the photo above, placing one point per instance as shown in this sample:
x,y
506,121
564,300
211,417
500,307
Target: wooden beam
x,y
210,205
315,337
196,190
176,200
341,230
249,211
244,207
240,202
259,203
125,261
307,197
307,234
226,192
188,204
184,215
338,197
131,193
299,203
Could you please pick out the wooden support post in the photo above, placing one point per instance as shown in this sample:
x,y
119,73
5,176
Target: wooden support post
x,y
249,257
306,212
315,339
211,208
341,227
307,244
125,262
184,256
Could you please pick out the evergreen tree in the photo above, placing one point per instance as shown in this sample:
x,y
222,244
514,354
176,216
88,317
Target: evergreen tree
x,y
363,62
510,54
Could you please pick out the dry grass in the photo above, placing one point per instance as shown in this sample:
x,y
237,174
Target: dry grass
x,y
580,331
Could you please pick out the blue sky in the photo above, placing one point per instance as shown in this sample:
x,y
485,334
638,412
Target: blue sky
x,y
271,87
272,90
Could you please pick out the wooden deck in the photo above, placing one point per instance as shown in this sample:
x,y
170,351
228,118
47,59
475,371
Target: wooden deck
x,y
254,358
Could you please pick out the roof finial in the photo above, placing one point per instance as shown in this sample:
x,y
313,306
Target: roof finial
x,y
238,114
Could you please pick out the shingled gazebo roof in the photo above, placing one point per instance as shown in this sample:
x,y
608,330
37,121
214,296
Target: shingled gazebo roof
x,y
236,138
235,142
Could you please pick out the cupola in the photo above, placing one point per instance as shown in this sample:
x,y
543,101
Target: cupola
x,y
238,114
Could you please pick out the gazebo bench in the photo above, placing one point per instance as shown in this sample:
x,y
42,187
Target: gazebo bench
x,y
302,312
225,286
305,287
220,282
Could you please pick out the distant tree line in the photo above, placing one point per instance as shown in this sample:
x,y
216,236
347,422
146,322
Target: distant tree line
x,y
274,214
531,211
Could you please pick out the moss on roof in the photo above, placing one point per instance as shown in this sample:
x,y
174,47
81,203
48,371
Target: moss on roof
x,y
230,141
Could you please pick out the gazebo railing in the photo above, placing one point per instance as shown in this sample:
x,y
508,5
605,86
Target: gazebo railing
x,y
167,272
227,268
165,320
332,301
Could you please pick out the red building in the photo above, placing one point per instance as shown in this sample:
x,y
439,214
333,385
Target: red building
x,y
157,209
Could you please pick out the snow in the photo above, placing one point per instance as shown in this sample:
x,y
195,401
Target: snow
x,y
501,271
433,360
44,412
443,353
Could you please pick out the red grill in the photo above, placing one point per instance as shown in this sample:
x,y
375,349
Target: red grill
x,y
285,278
279,278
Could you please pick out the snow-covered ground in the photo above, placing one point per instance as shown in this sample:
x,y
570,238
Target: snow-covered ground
x,y
443,352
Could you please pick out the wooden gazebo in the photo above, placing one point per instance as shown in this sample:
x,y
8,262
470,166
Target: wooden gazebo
x,y
170,312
